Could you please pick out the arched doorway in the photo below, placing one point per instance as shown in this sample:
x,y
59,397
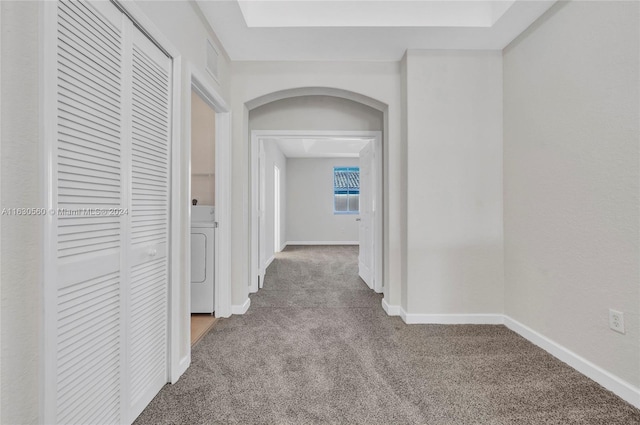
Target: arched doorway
x,y
257,134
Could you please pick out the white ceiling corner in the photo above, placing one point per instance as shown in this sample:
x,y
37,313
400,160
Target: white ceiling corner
x,y
320,146
379,30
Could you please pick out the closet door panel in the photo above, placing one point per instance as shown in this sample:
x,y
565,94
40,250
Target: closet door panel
x,y
87,184
150,141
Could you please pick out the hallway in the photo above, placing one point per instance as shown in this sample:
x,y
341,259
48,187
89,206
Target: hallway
x,y
316,347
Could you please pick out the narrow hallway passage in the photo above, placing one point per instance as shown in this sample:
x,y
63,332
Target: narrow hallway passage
x,y
316,347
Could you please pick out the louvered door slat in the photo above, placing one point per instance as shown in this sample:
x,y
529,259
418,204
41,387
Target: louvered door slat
x,y
148,170
71,183
101,371
146,79
98,99
91,357
76,175
97,137
79,357
144,131
69,152
70,75
148,112
147,92
77,113
153,71
147,133
81,141
143,150
73,163
149,184
85,21
76,57
88,44
76,93
78,35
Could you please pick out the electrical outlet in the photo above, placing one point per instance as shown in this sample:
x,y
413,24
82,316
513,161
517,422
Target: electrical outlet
x,y
616,320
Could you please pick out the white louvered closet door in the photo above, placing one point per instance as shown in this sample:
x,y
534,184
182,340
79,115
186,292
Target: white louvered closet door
x,y
106,294
149,224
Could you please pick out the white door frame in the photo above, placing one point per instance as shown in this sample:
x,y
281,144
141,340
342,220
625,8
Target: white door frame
x,y
222,249
258,137
257,214
277,220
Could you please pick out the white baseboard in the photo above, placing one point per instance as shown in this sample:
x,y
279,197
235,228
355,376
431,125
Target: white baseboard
x,y
621,388
242,308
322,243
269,261
442,319
453,319
391,310
183,365
365,275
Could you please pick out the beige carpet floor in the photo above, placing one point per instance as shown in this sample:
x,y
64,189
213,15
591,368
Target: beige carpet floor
x,y
315,347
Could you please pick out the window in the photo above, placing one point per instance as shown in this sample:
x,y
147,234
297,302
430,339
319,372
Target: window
x,y
346,190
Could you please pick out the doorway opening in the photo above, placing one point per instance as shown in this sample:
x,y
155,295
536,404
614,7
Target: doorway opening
x,y
208,294
306,186
203,219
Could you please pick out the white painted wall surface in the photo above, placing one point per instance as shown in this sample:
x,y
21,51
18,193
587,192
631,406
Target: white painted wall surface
x,y
203,152
315,113
183,25
454,175
274,157
378,80
310,216
21,177
571,110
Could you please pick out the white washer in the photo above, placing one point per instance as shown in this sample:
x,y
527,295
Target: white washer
x,y
202,259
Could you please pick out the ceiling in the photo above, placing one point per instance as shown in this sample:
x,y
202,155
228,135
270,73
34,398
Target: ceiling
x,y
378,30
320,147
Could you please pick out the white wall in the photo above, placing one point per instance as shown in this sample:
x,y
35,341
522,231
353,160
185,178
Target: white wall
x,y
274,157
454,182
378,80
310,216
183,25
315,113
203,151
21,252
571,110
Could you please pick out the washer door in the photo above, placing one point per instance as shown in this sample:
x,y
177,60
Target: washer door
x,y
202,270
